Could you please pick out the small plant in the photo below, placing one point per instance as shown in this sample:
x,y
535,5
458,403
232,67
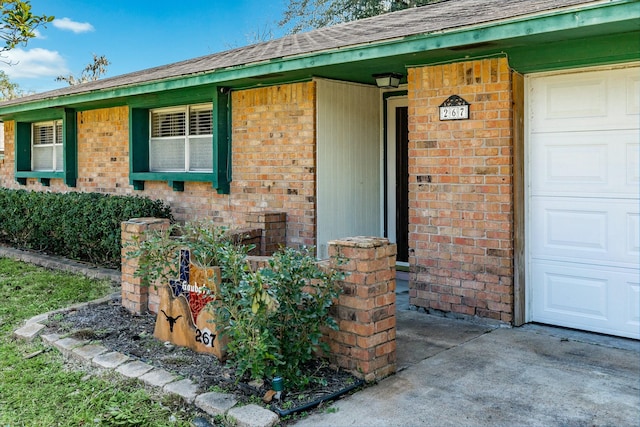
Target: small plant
x,y
275,316
287,405
218,389
158,253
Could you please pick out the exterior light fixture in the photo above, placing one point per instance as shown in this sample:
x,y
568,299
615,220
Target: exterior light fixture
x,y
387,80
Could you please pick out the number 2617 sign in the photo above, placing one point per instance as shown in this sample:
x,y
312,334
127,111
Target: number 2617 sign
x,y
454,108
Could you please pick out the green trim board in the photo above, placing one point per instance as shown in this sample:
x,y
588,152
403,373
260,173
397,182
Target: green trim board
x,y
40,174
33,116
171,176
529,32
612,49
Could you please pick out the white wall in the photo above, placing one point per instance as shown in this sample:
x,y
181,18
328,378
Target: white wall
x,y
1,138
348,162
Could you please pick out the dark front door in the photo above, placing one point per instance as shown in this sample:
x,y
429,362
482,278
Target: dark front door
x,y
402,182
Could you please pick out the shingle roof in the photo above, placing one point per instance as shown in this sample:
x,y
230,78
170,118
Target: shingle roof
x,y
439,17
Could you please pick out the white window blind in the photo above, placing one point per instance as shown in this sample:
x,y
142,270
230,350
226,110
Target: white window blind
x,y
46,144
201,120
178,145
168,124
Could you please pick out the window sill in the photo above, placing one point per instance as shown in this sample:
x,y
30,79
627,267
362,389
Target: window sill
x,y
175,180
44,176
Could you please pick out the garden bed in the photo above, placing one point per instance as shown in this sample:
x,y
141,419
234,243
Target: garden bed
x,y
117,329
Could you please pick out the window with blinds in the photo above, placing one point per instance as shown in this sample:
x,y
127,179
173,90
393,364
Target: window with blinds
x,y
181,139
46,145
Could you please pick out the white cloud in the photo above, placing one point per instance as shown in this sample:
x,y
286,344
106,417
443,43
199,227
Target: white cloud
x,y
76,27
33,63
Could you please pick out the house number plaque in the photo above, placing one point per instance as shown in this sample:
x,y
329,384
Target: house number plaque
x,y
454,108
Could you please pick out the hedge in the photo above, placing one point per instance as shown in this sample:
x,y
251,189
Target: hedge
x,y
80,226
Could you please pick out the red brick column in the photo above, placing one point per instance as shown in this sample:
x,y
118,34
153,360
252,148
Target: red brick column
x,y
274,230
135,297
461,190
365,343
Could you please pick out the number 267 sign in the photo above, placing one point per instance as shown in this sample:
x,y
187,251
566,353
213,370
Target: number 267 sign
x,y
454,108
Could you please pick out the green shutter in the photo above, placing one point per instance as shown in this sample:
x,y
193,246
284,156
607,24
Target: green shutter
x,y
70,147
138,144
221,140
23,146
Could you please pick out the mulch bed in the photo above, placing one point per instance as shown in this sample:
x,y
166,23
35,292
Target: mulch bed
x,y
119,330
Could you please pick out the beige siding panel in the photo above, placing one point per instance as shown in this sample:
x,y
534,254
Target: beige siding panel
x,y
349,178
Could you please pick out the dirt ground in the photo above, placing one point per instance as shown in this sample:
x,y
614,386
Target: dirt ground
x,y
117,329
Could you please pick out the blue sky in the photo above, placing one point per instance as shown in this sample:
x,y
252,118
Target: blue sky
x,y
134,35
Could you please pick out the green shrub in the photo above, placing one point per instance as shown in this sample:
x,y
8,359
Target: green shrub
x,y
81,226
273,317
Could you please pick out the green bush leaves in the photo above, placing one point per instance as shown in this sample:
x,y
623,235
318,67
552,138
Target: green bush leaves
x,y
275,316
81,226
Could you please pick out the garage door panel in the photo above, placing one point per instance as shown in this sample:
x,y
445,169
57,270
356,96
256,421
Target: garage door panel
x,y
564,230
633,94
558,154
585,230
581,98
633,308
599,163
583,200
596,100
575,294
633,235
588,298
632,164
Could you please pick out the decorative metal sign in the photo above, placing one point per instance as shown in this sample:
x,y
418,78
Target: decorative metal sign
x,y
454,108
183,316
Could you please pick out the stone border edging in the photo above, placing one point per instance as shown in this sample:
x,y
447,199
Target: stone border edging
x,y
212,403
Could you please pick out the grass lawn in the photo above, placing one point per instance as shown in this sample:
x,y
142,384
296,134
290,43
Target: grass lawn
x,y
42,391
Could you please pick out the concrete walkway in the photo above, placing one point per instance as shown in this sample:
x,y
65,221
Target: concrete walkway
x,y
458,373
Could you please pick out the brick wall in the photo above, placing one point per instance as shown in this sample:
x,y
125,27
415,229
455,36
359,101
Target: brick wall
x,y
460,190
274,155
273,161
7,164
103,151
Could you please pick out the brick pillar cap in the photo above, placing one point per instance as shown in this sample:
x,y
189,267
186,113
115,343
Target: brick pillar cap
x,y
361,242
148,220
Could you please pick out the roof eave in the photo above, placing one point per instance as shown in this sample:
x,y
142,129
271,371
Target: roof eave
x,y
583,17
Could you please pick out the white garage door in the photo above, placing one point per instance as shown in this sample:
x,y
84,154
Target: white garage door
x,y
583,222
